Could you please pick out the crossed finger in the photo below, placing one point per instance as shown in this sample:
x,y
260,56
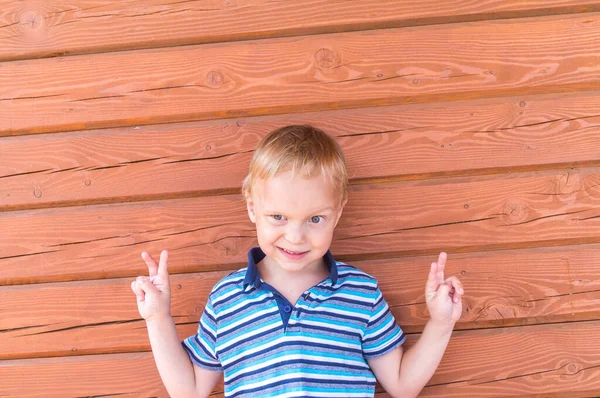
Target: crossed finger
x,y
151,263
456,288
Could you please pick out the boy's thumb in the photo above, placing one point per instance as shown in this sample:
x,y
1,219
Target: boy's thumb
x,y
443,290
149,288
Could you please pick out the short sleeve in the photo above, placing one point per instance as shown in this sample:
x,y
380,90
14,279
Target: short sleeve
x,y
201,347
383,334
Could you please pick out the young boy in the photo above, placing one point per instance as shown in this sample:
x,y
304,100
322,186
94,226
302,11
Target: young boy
x,y
294,322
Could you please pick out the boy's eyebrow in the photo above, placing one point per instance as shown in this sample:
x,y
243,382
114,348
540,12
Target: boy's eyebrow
x,y
323,210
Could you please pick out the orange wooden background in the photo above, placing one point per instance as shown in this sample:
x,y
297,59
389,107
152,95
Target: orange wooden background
x,y
469,127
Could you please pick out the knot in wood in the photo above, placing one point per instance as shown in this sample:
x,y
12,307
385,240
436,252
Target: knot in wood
x,y
31,21
214,79
569,182
572,369
326,59
37,193
515,212
228,247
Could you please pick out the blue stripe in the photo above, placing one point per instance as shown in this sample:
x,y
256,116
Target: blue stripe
x,y
345,299
244,328
305,362
253,337
334,315
354,334
387,348
276,354
245,307
198,351
334,339
309,371
200,362
390,329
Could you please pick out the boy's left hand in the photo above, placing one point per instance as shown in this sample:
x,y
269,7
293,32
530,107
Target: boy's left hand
x,y
443,296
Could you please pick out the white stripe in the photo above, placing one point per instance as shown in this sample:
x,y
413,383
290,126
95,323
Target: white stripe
x,y
254,315
311,356
337,310
324,340
236,276
244,302
210,312
225,295
381,331
206,326
249,352
351,277
229,342
350,328
366,300
379,313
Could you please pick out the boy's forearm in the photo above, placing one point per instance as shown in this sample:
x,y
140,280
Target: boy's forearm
x,y
174,366
420,361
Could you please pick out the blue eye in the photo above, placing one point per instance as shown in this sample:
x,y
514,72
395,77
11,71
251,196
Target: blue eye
x,y
316,219
277,217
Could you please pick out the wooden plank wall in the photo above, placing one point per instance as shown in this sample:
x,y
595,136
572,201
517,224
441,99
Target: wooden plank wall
x,y
469,127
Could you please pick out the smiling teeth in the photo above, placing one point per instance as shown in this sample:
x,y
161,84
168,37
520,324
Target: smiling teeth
x,y
291,252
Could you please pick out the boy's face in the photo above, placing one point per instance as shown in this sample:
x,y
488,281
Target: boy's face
x,y
295,218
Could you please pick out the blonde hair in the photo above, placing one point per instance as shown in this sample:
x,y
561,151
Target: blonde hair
x,y
304,149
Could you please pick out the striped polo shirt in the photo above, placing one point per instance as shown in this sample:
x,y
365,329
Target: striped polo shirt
x,y
317,347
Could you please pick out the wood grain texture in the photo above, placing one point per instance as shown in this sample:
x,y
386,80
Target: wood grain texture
x,y
503,289
469,127
518,361
398,142
461,214
31,29
133,375
308,73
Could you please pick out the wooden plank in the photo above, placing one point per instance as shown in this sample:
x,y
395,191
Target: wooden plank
x,y
130,375
505,288
399,142
41,29
519,361
543,208
421,64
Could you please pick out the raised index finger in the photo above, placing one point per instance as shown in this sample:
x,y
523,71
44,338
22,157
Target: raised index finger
x,y
152,267
441,263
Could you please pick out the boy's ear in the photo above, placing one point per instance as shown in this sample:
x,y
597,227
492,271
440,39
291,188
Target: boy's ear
x,y
250,206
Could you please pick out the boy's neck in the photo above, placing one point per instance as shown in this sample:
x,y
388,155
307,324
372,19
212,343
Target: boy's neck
x,y
292,284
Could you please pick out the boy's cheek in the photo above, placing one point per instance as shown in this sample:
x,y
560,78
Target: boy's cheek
x,y
265,230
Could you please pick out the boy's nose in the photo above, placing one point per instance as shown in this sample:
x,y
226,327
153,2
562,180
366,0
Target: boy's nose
x,y
294,234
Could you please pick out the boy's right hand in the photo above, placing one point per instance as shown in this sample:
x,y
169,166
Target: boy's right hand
x,y
153,291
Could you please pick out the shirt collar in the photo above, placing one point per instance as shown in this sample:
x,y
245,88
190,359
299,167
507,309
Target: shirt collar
x,y
255,255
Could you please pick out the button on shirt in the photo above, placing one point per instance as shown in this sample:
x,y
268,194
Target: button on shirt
x,y
269,347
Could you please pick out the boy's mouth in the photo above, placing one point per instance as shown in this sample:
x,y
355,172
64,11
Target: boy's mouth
x,y
292,253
